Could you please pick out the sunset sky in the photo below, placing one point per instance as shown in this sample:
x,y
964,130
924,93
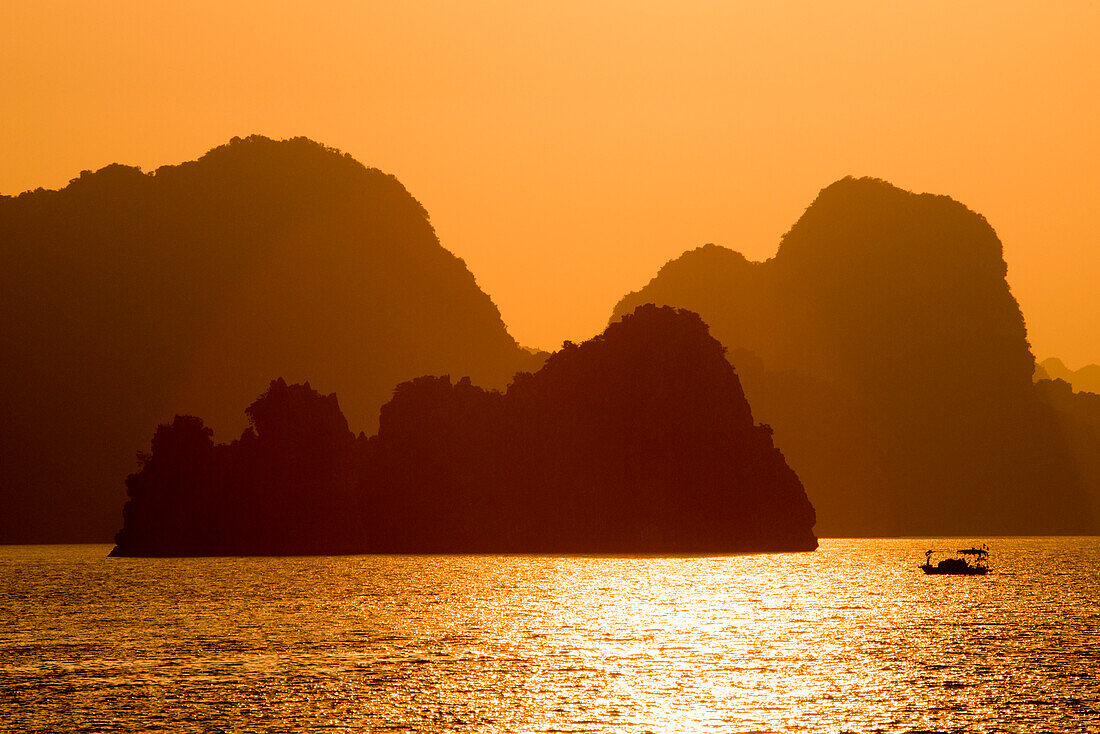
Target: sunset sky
x,y
566,150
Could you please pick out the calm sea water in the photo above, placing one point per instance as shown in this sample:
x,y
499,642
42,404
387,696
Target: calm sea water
x,y
851,637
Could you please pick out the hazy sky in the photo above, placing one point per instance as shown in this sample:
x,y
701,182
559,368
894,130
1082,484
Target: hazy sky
x,y
568,149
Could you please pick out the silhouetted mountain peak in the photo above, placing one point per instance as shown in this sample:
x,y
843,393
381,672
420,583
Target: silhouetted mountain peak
x,y
293,412
855,223
659,331
1056,369
111,174
712,257
653,351
891,354
303,167
137,296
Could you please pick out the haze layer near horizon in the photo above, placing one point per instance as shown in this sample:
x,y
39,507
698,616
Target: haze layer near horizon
x,y
567,151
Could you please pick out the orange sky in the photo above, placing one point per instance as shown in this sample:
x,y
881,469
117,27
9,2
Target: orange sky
x,y
567,149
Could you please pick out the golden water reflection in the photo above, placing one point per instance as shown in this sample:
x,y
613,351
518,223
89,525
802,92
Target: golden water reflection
x,y
851,637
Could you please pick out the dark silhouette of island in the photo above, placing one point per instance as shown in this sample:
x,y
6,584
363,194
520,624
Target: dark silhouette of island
x,y
639,440
884,346
128,297
1085,379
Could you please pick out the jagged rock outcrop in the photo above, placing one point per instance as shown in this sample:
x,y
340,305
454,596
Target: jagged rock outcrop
x,y
127,297
288,485
885,315
639,440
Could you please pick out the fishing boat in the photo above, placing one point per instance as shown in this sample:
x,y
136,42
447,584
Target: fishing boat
x,y
965,562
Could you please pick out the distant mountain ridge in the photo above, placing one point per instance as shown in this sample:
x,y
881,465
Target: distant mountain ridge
x,y
127,297
638,440
884,346
1085,379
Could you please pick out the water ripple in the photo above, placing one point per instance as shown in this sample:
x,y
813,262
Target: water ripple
x,y
849,638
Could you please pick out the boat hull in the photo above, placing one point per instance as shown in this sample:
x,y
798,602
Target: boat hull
x,y
972,571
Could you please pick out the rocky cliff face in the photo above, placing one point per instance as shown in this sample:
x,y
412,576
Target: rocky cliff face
x,y
637,441
892,360
128,297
